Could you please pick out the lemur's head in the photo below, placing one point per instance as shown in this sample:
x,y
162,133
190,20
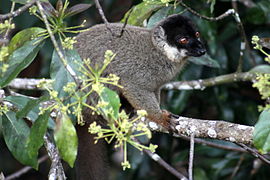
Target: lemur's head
x,y
177,38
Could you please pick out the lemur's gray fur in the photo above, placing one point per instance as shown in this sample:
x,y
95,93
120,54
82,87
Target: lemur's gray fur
x,y
145,60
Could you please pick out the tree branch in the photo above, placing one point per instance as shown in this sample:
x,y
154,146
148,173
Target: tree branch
x,y
255,153
31,84
217,129
215,145
56,46
56,170
98,6
213,129
191,157
160,161
18,11
10,19
26,83
234,12
203,83
25,169
220,17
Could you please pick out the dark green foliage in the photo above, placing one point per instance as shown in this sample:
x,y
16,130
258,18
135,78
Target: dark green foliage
x,y
24,142
22,50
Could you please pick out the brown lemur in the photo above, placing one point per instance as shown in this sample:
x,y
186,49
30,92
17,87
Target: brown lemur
x,y
145,60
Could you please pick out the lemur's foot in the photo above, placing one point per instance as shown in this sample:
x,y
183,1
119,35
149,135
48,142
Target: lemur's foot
x,y
162,119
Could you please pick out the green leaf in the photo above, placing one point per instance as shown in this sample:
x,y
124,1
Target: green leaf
x,y
141,12
158,16
22,103
261,135
255,15
49,9
19,60
76,9
22,37
261,69
37,132
205,60
200,174
16,133
31,104
111,97
58,72
66,139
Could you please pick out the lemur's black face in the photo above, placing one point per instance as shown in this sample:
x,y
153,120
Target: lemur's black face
x,y
182,34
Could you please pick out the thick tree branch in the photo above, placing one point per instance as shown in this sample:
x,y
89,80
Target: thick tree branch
x,y
213,129
217,129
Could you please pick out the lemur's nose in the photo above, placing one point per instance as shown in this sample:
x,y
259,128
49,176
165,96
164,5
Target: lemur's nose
x,y
202,51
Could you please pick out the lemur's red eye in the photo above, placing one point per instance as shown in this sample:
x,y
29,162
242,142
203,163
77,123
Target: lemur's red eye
x,y
197,34
183,41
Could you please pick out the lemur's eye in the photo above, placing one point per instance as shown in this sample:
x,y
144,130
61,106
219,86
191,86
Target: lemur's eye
x,y
183,41
197,34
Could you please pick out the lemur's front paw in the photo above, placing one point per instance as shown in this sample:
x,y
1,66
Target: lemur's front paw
x,y
169,120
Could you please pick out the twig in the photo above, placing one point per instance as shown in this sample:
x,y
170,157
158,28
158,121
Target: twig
x,y
2,177
222,16
125,23
203,83
248,3
215,145
107,24
18,11
234,12
56,170
98,6
191,157
255,153
244,42
25,169
257,164
236,169
10,19
56,46
163,163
